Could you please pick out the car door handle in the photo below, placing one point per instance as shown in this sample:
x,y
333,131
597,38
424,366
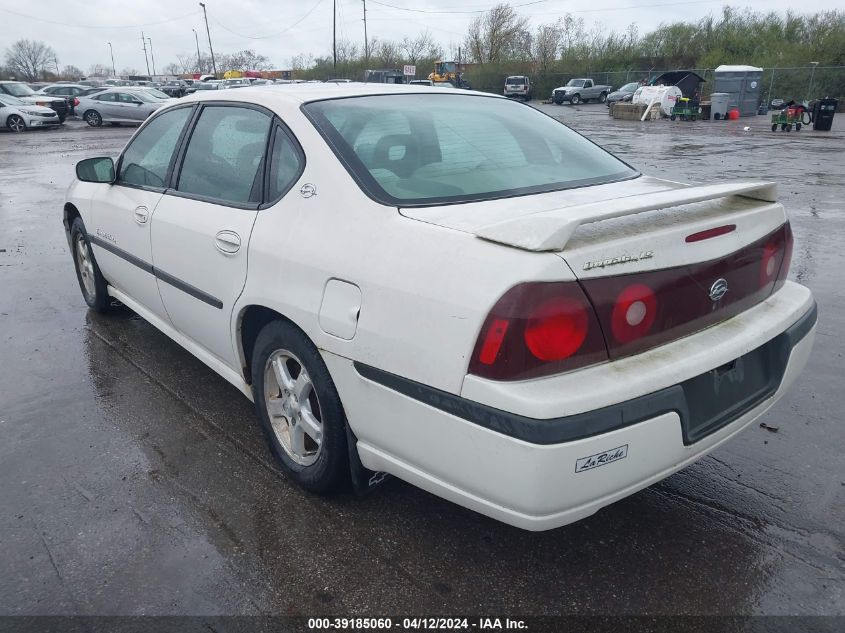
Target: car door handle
x,y
142,214
227,242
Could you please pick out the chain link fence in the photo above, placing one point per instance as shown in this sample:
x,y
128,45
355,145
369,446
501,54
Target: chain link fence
x,y
803,83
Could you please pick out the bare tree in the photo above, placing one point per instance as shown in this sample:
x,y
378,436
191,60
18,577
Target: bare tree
x,y
417,48
387,52
72,72
243,60
28,59
99,70
129,71
494,36
347,51
474,42
546,45
171,69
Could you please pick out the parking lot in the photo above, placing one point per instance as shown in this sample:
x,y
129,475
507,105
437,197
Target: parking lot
x,y
137,481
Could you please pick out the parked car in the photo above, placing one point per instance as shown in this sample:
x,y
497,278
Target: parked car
x,y
421,82
30,97
69,92
201,86
581,90
518,86
155,93
625,93
341,81
237,82
119,105
175,88
482,348
442,84
92,91
17,116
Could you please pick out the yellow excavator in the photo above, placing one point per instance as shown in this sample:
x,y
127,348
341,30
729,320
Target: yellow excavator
x,y
448,71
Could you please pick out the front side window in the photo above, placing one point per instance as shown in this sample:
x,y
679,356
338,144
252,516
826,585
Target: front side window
x,y
146,160
423,149
108,96
225,155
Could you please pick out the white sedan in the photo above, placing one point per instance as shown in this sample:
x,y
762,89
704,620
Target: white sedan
x,y
449,287
18,116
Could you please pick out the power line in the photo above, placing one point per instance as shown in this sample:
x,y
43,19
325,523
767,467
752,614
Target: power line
x,y
390,6
96,26
262,37
637,6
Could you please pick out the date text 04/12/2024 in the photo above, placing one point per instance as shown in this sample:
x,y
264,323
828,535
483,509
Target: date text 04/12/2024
x,y
415,624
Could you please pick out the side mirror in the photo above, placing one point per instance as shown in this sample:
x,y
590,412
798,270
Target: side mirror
x,y
96,170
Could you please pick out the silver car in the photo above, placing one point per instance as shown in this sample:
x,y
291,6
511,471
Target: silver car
x,y
117,106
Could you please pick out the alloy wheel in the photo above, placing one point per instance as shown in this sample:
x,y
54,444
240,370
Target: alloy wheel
x,y
16,124
86,267
293,407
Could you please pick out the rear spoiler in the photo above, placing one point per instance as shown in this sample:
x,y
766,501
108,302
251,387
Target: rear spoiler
x,y
551,230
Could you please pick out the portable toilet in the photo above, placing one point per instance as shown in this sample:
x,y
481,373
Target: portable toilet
x,y
742,83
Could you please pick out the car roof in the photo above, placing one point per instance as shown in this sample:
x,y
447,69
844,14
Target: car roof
x,y
279,94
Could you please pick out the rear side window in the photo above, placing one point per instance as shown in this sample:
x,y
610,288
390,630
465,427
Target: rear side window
x,y
148,156
225,155
421,149
285,165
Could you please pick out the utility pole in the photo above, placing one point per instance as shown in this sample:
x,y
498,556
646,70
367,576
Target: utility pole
x,y
150,40
111,52
208,32
334,35
196,37
144,42
366,41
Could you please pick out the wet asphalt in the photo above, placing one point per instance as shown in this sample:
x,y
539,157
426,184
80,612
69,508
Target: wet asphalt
x,y
133,480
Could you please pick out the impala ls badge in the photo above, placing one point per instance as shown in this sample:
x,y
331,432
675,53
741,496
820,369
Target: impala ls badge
x,y
718,289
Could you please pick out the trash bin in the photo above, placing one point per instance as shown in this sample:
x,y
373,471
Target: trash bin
x,y
719,105
823,112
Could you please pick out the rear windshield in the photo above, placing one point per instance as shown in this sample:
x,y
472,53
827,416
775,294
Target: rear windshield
x,y
514,81
426,149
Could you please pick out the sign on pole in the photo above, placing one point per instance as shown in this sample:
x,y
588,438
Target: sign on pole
x,y
410,71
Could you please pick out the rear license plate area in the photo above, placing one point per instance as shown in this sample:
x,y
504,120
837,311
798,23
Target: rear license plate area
x,y
721,395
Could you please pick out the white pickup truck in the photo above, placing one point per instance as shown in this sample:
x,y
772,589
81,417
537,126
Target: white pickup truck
x,y
579,90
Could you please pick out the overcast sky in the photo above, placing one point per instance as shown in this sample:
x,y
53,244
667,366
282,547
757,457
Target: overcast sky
x,y
79,32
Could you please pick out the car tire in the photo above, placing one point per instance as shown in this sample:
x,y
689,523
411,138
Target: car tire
x,y
603,97
93,118
16,123
91,281
575,99
302,418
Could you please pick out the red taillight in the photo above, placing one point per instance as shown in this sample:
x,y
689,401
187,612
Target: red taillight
x,y
788,241
642,310
537,329
557,329
493,341
633,313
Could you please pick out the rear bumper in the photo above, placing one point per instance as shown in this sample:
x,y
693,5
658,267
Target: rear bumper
x,y
539,473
